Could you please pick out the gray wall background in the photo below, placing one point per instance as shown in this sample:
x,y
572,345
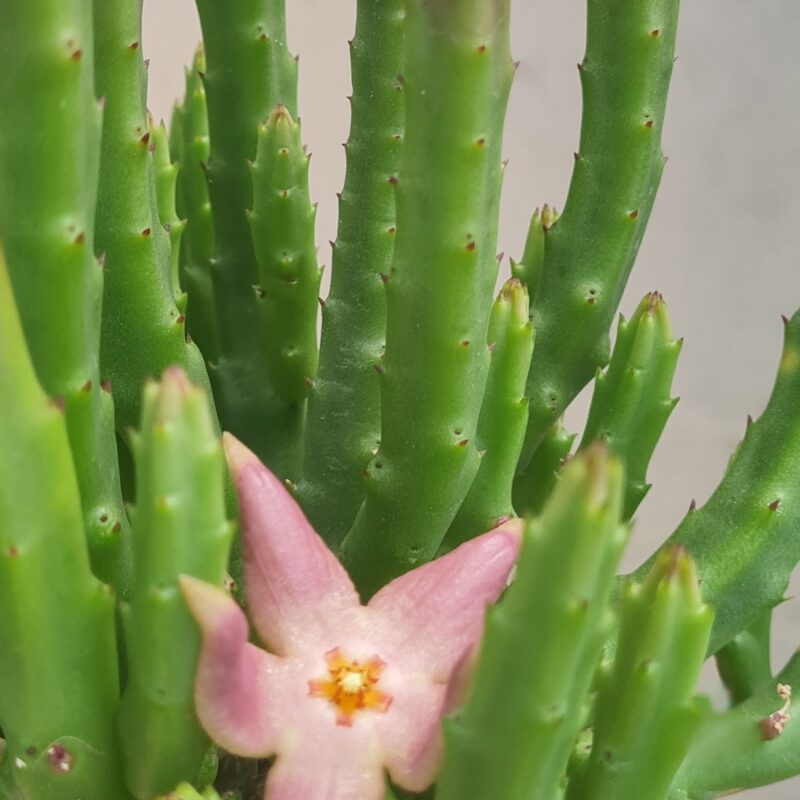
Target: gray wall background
x,y
722,244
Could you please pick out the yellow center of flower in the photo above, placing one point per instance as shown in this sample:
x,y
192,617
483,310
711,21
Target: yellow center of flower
x,y
350,686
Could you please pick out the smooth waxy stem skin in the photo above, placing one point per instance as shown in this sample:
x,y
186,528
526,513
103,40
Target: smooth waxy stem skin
x,y
644,713
141,338
198,241
590,250
744,539
58,660
249,71
345,689
732,750
343,420
458,73
631,401
48,174
282,225
541,645
179,528
744,664
504,414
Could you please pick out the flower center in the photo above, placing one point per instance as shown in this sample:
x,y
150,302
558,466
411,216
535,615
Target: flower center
x,y
350,686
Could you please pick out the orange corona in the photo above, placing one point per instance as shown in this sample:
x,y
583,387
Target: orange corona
x,y
351,686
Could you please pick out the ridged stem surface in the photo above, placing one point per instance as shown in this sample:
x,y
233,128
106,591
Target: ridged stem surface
x,y
198,240
744,664
744,539
645,713
590,250
249,71
49,140
282,226
343,426
143,330
504,414
541,645
58,656
179,529
457,77
631,400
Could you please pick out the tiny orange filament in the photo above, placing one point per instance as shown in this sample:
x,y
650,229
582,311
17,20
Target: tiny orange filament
x,y
351,686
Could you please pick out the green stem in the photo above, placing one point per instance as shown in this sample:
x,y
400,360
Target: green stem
x,y
504,414
249,71
744,663
143,331
631,401
458,74
282,225
179,529
343,427
590,250
744,539
198,241
49,139
645,714
541,645
732,751
58,662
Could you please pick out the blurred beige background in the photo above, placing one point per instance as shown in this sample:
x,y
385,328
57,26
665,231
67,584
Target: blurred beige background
x,y
722,245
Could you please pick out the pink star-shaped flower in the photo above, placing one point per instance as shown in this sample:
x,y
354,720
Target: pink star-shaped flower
x,y
346,689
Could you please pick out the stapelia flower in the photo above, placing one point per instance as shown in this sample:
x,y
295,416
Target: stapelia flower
x,y
346,689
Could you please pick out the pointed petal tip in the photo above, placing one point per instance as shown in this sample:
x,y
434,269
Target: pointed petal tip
x,y
208,604
237,454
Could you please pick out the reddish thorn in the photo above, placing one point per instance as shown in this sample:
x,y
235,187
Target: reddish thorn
x,y
648,123
785,319
384,277
576,156
693,505
392,179
491,346
80,238
76,55
480,142
321,302
464,342
146,232
263,37
515,65
181,319
379,368
482,48
655,32
749,420
391,231
504,163
87,387
105,385
499,257
116,527
400,78
188,339
462,443
145,138
580,66
12,551
633,214
133,46
773,506
471,245
57,402
147,64
332,243
308,381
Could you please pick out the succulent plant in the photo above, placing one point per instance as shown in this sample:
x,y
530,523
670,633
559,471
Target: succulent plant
x,y
406,582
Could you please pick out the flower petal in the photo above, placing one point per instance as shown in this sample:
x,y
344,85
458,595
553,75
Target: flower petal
x,y
333,771
296,589
433,613
231,683
410,734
